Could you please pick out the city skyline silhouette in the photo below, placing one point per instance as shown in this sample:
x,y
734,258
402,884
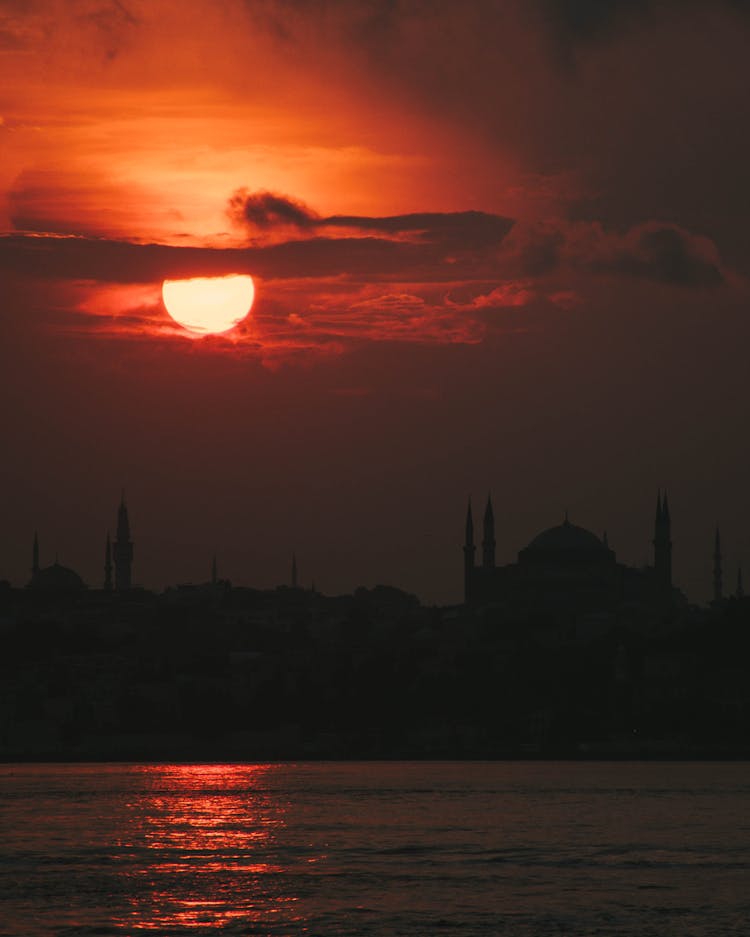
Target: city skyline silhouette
x,y
550,552
565,652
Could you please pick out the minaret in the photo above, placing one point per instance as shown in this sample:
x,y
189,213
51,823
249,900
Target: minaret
x,y
488,543
108,565
740,590
469,551
123,552
657,531
35,556
294,570
718,590
663,544
667,543
214,576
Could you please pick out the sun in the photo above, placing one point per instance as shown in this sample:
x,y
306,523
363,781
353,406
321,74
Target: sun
x,y
207,305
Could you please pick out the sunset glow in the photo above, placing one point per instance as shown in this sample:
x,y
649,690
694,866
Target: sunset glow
x,y
209,305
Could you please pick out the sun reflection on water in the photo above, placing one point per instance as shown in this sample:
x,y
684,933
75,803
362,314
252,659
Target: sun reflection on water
x,y
206,839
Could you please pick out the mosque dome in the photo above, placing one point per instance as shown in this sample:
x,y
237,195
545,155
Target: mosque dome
x,y
566,543
57,578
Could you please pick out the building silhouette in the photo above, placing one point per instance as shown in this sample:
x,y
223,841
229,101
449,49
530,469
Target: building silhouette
x,y
55,579
567,569
564,569
118,558
108,565
718,583
663,545
123,550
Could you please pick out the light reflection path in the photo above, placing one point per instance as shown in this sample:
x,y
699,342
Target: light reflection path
x,y
375,849
205,838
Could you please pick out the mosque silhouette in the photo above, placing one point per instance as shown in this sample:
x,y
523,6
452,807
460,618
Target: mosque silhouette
x,y
60,579
569,569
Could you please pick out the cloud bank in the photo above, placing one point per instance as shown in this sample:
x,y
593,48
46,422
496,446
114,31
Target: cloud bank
x,y
330,283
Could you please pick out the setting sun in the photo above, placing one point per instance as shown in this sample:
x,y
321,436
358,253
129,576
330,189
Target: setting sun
x,y
209,305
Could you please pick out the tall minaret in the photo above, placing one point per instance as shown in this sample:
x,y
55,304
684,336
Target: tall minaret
x,y
488,542
294,570
740,590
718,590
123,551
667,542
469,551
35,556
214,573
108,565
663,544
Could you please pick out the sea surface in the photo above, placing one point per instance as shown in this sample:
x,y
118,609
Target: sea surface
x,y
386,848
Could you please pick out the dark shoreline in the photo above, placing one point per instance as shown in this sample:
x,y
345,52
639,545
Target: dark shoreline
x,y
217,758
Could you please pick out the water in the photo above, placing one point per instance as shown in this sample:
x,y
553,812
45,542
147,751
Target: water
x,y
375,849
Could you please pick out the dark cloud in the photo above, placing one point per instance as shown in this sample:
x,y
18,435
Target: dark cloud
x,y
462,246
667,254
664,253
26,24
643,117
539,250
79,258
267,210
590,20
20,26
378,28
468,230
112,21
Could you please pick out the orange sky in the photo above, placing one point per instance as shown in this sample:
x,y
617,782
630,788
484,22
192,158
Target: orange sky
x,y
141,125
